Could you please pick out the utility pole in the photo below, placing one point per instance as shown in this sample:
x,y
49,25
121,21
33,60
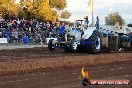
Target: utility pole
x,y
91,6
92,12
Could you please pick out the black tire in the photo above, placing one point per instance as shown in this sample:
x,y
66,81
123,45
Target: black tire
x,y
51,45
96,47
67,48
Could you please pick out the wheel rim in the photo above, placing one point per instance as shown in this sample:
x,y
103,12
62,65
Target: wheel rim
x,y
75,45
98,45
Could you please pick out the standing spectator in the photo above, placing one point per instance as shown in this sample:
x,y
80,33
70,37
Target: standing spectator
x,y
16,36
9,25
44,26
12,37
57,28
13,25
1,24
19,36
1,34
18,24
48,25
97,23
67,27
6,33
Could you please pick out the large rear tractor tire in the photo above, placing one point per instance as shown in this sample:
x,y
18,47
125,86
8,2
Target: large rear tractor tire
x,y
96,47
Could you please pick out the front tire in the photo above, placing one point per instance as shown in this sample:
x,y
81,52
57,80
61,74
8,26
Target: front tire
x,y
51,46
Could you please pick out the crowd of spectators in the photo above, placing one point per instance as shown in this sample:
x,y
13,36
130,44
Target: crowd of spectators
x,y
35,31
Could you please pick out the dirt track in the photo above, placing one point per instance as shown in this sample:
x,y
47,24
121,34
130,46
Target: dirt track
x,y
59,66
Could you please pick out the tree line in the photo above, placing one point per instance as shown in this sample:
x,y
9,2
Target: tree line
x,y
114,17
46,10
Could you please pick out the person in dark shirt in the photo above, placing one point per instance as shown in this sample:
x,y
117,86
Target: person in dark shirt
x,y
97,23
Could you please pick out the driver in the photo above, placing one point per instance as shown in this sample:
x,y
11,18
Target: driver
x,y
62,30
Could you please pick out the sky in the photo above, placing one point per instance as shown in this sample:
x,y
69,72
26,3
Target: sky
x,y
79,9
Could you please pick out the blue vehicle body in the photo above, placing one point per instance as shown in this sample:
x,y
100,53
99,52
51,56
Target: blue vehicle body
x,y
77,40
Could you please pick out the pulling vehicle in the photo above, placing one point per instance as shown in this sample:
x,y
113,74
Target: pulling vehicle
x,y
77,41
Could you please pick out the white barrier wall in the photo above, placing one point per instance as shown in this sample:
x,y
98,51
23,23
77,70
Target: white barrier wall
x,y
3,40
47,40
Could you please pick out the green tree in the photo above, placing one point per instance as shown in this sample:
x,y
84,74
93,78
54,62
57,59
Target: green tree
x,y
22,14
48,10
8,7
112,18
65,14
54,13
38,9
54,16
58,4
